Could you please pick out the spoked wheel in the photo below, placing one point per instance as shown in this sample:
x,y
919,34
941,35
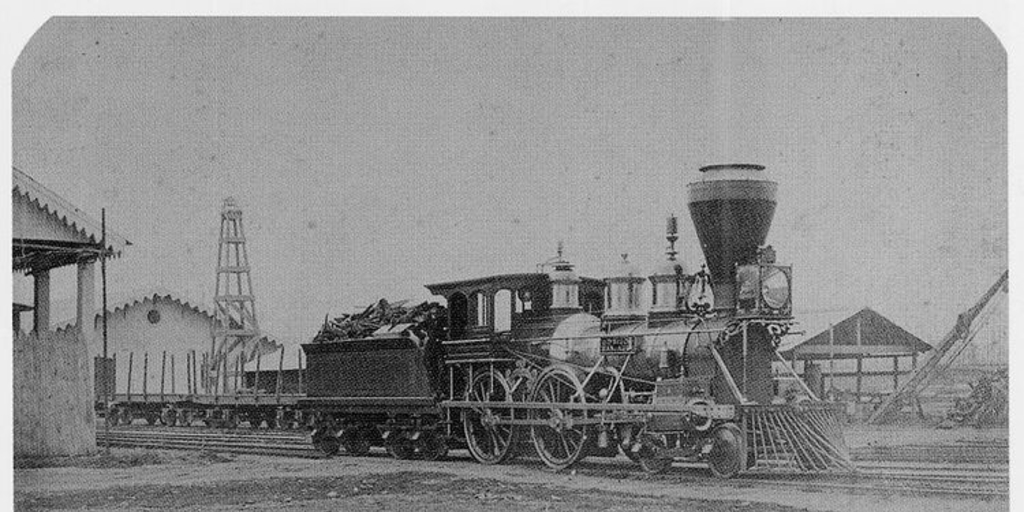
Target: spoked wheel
x,y
355,442
560,440
651,454
432,446
488,442
185,418
325,439
327,444
628,434
169,417
728,451
400,447
125,416
112,416
280,420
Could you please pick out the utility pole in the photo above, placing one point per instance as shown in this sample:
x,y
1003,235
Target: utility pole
x,y
106,365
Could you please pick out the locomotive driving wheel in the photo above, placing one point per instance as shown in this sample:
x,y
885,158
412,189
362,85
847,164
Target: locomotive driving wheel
x,y
728,451
489,442
559,441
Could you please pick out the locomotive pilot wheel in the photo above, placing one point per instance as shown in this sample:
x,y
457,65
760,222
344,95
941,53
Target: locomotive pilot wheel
x,y
728,451
488,442
560,440
651,453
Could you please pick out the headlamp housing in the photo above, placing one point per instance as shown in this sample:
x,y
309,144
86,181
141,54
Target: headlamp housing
x,y
764,290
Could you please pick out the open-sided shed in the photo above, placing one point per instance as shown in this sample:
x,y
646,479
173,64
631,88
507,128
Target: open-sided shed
x,y
864,335
52,371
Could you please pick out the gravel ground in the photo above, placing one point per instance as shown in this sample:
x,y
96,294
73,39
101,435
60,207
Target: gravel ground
x,y
185,481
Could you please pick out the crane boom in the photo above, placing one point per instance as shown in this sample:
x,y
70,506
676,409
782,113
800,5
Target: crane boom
x,y
959,335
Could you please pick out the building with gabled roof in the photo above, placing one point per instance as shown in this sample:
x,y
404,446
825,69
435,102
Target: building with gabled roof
x,y
151,335
52,371
862,352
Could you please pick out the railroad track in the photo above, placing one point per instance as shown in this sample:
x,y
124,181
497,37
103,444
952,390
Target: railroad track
x,y
975,480
970,453
255,443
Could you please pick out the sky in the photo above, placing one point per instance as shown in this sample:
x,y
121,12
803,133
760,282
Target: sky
x,y
372,156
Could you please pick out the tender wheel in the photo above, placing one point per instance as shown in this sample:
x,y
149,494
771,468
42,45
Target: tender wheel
x,y
112,417
432,446
489,443
124,416
230,420
356,443
651,454
280,421
185,418
560,440
728,451
400,447
328,445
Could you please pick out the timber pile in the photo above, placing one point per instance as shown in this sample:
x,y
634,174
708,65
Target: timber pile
x,y
426,319
986,405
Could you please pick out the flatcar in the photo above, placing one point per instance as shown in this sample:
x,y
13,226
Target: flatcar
x,y
564,367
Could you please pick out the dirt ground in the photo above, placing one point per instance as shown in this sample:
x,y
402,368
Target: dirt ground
x,y
188,481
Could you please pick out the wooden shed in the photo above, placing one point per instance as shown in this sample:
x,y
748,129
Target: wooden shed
x,y
854,352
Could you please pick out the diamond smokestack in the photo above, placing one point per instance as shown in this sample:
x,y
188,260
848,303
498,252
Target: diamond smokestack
x,y
732,206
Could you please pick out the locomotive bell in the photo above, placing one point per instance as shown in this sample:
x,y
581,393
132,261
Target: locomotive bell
x,y
732,206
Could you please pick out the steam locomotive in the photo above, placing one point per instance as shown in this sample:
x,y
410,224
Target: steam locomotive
x,y
568,366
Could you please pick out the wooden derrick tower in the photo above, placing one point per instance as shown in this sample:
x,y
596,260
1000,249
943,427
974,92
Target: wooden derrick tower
x,y
236,331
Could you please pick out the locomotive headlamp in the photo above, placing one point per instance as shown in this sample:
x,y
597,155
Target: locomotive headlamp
x,y
775,287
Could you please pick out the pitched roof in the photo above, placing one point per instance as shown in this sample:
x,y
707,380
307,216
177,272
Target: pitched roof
x,y
123,301
68,213
878,336
127,300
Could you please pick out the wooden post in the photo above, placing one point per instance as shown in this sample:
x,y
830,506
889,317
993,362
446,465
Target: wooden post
x,y
859,376
745,346
195,383
173,390
131,356
188,372
895,373
831,360
241,357
301,389
280,372
145,377
256,383
163,374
